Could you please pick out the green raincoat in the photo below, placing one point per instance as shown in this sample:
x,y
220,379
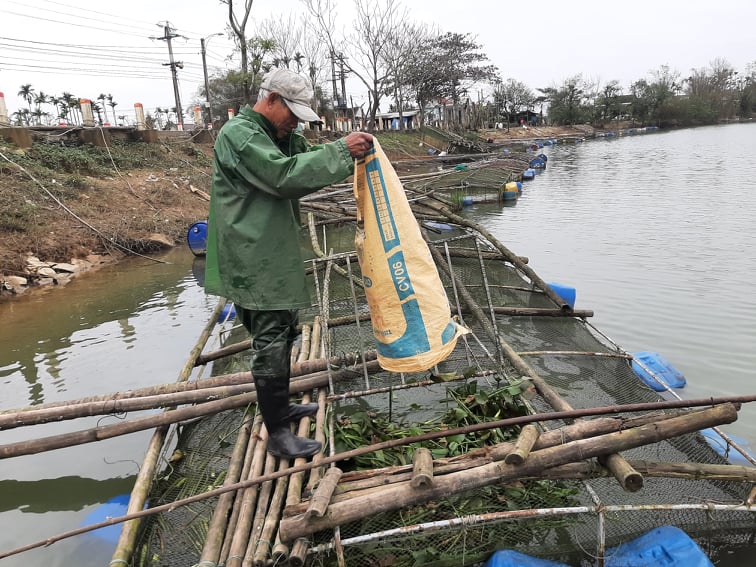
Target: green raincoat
x,y
253,255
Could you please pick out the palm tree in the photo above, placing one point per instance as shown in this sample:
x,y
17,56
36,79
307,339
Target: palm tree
x,y
112,104
101,97
21,116
39,100
69,103
98,111
27,93
56,101
299,59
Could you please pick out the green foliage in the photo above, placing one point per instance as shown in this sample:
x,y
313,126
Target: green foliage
x,y
15,216
468,405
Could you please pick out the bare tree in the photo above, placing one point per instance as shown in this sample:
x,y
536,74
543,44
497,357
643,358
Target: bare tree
x,y
362,51
405,46
286,34
239,27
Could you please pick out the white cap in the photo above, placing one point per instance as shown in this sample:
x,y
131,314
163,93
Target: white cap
x,y
294,89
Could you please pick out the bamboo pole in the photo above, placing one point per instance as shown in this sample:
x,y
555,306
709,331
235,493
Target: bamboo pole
x,y
219,521
322,496
161,396
225,380
227,350
304,353
264,548
422,468
401,495
20,448
685,471
629,478
194,396
317,471
263,500
249,458
315,340
525,442
294,489
240,536
126,542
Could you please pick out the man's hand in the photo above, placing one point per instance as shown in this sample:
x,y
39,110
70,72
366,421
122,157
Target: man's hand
x,y
358,143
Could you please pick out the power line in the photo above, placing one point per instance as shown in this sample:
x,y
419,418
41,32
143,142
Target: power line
x,y
39,18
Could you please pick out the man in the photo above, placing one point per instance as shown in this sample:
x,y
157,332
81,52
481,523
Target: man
x,y
262,167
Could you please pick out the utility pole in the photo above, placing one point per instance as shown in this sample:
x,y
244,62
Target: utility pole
x,y
168,35
333,80
343,82
207,84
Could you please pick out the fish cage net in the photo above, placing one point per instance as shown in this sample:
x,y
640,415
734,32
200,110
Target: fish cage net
x,y
566,519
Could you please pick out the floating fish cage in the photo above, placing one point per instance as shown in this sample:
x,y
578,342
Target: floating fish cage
x,y
487,487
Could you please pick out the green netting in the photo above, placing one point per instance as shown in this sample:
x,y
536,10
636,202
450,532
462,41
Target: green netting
x,y
465,528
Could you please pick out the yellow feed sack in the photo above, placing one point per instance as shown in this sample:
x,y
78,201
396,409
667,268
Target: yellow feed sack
x,y
409,309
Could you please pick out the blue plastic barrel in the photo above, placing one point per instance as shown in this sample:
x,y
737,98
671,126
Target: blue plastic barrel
x,y
566,292
511,558
666,546
467,201
227,313
537,163
660,367
196,238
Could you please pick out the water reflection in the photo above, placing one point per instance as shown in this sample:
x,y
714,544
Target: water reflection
x,y
97,315
68,493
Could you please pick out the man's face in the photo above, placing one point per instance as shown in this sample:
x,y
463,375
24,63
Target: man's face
x,y
282,118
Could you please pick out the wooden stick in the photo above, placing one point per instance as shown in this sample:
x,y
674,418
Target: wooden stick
x,y
401,495
322,496
362,480
35,417
630,479
263,500
249,459
225,380
422,468
320,418
215,533
240,535
264,548
314,353
304,352
525,442
174,416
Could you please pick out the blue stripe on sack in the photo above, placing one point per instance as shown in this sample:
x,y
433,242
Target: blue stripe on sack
x,y
414,340
449,332
381,205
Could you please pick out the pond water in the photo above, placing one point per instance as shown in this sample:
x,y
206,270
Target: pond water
x,y
655,232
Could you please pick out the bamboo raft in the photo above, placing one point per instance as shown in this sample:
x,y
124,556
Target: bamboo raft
x,y
576,455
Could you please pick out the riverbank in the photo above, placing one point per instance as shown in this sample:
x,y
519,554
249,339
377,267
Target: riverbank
x,y
67,210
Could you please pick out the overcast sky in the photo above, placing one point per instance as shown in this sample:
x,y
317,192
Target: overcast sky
x,y
540,43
